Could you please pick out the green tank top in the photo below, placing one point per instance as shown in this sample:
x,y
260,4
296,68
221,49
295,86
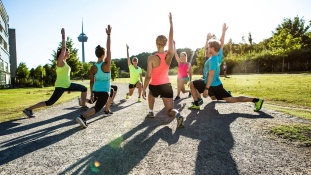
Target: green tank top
x,y
63,76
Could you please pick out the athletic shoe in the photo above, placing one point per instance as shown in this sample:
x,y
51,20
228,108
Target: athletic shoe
x,y
79,101
189,95
150,115
180,121
229,92
193,107
127,97
83,109
108,113
82,121
29,113
258,104
200,101
139,100
177,98
113,103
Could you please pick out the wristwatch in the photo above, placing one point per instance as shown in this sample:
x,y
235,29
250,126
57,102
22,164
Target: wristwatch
x,y
206,88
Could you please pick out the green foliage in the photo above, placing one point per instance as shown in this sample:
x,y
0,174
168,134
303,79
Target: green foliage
x,y
72,61
39,71
143,72
201,58
32,73
22,71
114,71
124,75
173,71
85,70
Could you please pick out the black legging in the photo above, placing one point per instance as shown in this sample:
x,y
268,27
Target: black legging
x,y
101,100
58,92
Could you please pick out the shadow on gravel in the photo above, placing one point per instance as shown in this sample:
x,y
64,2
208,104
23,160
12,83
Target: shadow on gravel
x,y
206,125
40,138
122,160
213,129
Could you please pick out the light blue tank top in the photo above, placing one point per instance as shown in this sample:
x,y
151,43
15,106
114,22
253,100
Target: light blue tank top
x,y
102,83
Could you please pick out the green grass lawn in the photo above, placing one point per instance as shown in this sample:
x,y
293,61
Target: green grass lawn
x,y
14,101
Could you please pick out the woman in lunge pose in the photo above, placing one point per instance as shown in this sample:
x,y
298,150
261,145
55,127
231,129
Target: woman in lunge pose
x,y
62,82
182,78
157,72
101,88
136,80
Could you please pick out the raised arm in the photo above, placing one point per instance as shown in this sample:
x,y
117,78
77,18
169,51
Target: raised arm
x,y
108,58
176,55
222,39
93,69
209,36
170,51
61,57
128,55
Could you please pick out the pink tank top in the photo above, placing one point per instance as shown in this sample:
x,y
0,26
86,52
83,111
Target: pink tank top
x,y
182,70
159,75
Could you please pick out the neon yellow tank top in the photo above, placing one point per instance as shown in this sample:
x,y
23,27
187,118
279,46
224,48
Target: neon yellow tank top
x,y
63,76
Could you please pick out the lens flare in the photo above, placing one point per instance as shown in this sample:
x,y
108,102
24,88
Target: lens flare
x,y
115,140
127,124
94,166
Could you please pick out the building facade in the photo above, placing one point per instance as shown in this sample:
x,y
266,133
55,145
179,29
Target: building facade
x,y
5,76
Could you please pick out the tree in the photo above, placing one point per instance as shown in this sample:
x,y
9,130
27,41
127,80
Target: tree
x,y
284,43
243,39
296,27
73,60
32,72
22,71
85,71
114,71
39,71
250,39
201,58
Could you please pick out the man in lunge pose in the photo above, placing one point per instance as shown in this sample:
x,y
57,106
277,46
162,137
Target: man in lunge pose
x,y
182,78
62,82
101,88
211,83
157,72
135,76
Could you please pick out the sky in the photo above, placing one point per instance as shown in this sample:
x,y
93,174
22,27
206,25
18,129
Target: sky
x,y
38,23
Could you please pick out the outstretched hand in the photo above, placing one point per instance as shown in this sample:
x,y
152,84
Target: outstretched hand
x,y
108,30
209,36
127,47
144,95
63,31
170,17
174,42
224,28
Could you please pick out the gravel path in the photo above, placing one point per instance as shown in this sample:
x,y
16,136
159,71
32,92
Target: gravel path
x,y
221,138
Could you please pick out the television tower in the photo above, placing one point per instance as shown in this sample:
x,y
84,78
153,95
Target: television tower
x,y
82,38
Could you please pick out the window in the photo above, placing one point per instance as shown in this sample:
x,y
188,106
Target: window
x,y
1,64
7,67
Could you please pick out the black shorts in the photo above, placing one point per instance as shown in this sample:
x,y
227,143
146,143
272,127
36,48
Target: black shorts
x,y
225,69
218,91
132,85
164,90
102,98
115,88
111,92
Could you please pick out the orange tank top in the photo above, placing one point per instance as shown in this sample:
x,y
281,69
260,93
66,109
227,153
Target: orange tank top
x,y
159,75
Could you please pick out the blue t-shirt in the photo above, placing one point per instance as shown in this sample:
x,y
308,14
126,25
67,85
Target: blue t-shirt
x,y
213,64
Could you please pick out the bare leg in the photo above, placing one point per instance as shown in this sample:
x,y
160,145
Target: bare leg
x,y
88,113
114,95
108,104
131,92
238,99
38,105
139,85
183,82
193,91
169,105
199,95
178,87
151,101
83,97
225,74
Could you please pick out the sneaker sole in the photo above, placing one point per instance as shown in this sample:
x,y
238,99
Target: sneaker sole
x,y
149,116
260,106
180,123
106,115
29,116
81,122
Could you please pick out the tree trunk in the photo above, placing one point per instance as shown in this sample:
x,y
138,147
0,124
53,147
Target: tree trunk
x,y
283,65
272,67
288,66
